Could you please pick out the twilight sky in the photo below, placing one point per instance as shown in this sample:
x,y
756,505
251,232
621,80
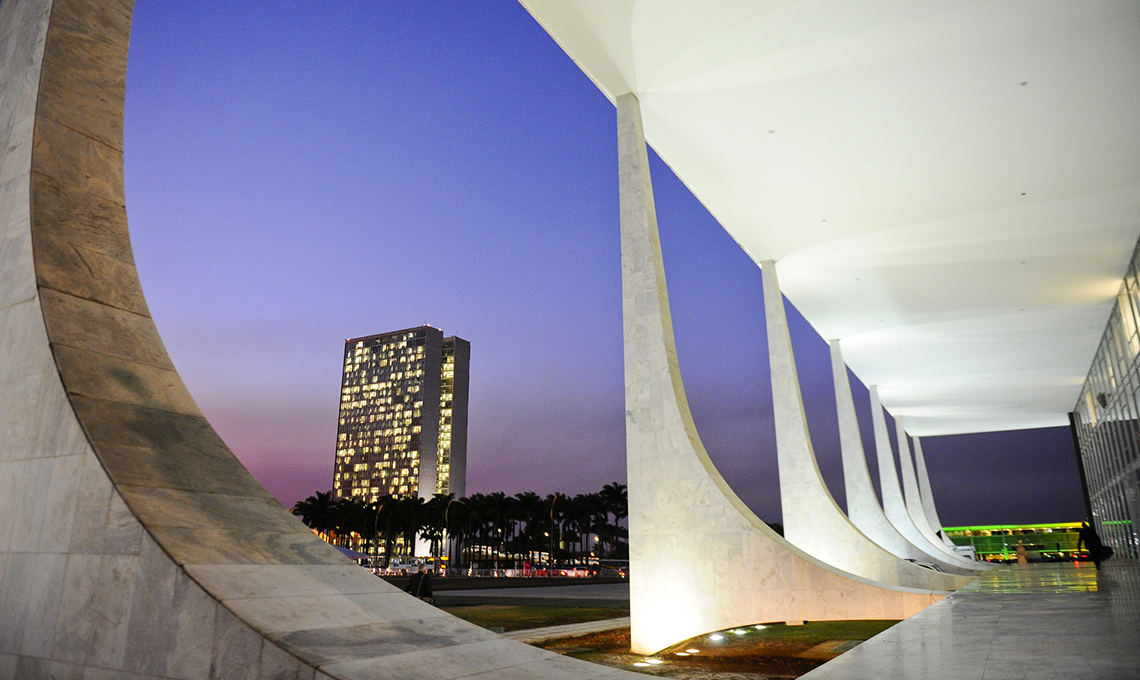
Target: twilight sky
x,y
298,174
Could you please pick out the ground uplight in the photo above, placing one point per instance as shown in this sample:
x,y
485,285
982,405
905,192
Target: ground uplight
x,y
640,664
693,651
682,653
716,637
655,662
739,632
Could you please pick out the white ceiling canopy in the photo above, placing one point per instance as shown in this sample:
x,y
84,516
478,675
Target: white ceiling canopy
x,y
950,188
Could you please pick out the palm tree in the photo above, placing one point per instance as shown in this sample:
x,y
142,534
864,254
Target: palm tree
x,y
458,523
529,509
615,501
434,520
316,512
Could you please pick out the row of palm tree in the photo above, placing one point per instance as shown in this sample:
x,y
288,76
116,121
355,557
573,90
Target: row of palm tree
x,y
506,531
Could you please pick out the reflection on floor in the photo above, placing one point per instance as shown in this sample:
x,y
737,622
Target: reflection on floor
x,y
1036,621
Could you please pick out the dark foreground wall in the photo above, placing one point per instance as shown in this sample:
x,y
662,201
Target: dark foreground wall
x,y
132,543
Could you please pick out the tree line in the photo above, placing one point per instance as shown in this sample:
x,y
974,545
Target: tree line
x,y
484,528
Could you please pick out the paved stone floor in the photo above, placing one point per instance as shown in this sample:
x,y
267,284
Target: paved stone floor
x,y
1038,621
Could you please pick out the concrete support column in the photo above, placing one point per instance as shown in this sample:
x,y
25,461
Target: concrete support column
x,y
913,497
700,560
811,516
894,506
813,521
862,505
928,494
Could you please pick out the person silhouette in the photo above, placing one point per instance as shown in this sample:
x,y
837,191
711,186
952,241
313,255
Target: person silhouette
x,y
1091,541
1022,556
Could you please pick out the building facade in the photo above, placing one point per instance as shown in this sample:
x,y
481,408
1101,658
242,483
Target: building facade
x,y
403,415
1106,424
1043,542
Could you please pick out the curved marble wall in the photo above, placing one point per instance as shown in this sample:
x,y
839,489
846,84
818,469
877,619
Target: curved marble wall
x,y
134,543
700,560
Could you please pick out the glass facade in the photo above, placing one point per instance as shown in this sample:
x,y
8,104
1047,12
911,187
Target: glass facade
x,y
391,436
1106,424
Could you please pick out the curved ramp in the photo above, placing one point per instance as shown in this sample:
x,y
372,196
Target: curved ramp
x,y
700,560
134,543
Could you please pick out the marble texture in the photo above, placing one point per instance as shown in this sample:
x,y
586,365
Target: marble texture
x,y
862,505
135,545
1041,621
913,499
927,494
813,521
894,506
700,560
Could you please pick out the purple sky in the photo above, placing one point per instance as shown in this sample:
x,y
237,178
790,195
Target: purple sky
x,y
335,170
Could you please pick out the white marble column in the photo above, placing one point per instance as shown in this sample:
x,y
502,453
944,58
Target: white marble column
x,y
813,521
700,560
862,505
910,491
927,493
894,506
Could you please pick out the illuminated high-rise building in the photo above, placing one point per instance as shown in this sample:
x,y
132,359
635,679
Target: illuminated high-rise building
x,y
403,415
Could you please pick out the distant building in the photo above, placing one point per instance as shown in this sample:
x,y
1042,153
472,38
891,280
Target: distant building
x,y
1051,542
403,415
